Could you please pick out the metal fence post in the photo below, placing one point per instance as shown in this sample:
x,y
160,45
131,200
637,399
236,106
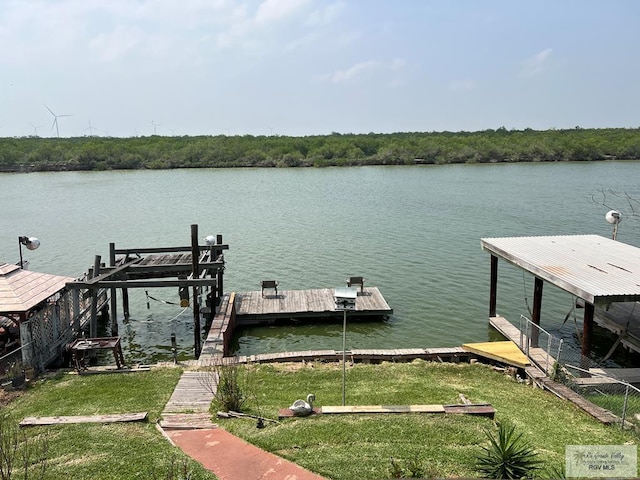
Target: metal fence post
x,y
624,407
559,350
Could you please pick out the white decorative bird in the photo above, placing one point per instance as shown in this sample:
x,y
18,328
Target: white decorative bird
x,y
300,408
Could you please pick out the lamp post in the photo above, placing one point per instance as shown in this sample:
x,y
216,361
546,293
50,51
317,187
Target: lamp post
x,y
345,299
30,242
614,218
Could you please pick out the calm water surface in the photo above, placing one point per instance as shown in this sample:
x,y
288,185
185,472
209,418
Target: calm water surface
x,y
412,231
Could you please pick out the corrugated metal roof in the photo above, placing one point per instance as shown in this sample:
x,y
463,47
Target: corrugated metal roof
x,y
21,290
594,268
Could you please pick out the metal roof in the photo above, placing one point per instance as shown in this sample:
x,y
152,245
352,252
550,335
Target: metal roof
x,y
21,290
594,268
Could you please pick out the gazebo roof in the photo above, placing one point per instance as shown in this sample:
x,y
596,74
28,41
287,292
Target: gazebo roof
x,y
596,269
21,290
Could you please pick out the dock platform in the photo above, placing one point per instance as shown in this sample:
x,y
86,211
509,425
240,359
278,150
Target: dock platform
x,y
504,352
252,308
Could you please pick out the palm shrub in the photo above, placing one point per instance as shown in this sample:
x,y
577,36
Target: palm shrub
x,y
508,455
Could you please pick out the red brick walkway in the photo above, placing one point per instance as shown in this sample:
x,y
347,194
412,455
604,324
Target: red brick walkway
x,y
231,458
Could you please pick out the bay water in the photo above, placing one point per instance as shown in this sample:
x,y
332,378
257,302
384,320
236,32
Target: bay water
x,y
412,231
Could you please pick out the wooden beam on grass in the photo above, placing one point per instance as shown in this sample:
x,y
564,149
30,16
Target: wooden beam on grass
x,y
115,418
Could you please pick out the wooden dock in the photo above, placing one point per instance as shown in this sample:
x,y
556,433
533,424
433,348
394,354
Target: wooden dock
x,y
537,355
453,354
252,308
503,352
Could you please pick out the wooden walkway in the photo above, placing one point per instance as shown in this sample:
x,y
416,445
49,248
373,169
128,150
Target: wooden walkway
x,y
188,407
537,355
253,308
452,354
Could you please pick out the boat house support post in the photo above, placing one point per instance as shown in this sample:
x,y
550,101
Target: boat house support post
x,y
537,309
493,298
195,267
113,295
587,328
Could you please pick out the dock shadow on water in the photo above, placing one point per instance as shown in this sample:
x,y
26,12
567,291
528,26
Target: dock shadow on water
x,y
306,335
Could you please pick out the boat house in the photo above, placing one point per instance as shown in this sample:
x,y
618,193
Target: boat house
x,y
603,274
39,316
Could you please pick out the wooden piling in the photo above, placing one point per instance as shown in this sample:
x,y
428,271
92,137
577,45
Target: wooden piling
x,y
195,273
113,294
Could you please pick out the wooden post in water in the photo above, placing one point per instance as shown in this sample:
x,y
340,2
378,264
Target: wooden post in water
x,y
587,329
493,297
219,286
195,273
113,293
125,303
536,313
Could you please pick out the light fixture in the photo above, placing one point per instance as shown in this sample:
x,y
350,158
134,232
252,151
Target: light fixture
x,y
614,217
210,240
30,242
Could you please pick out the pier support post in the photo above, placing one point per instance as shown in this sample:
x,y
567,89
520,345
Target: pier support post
x,y
587,329
536,313
195,268
493,297
113,294
220,274
125,303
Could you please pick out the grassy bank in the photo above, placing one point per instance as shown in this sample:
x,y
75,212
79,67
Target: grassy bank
x,y
340,447
112,451
362,446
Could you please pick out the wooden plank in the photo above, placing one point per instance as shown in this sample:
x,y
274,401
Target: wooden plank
x,y
186,421
505,352
506,328
480,410
353,409
114,418
601,414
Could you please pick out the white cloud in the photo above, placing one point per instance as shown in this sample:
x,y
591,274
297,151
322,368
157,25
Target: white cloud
x,y
361,70
325,14
536,64
247,28
270,11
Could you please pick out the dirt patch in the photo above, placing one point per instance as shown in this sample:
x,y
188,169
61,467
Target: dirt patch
x,y
6,397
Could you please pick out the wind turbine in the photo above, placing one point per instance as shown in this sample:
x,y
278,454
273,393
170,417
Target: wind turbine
x,y
155,125
91,128
55,120
35,128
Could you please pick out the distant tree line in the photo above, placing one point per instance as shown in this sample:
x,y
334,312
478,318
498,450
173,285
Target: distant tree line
x,y
160,152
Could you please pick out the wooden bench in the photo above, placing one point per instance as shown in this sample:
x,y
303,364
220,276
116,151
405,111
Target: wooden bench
x,y
354,281
270,284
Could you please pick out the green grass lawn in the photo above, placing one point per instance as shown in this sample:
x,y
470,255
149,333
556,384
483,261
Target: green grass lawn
x,y
345,447
340,447
109,451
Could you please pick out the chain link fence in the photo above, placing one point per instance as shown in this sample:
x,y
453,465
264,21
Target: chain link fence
x,y
566,365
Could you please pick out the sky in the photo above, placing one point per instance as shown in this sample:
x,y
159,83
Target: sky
x,y
124,68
